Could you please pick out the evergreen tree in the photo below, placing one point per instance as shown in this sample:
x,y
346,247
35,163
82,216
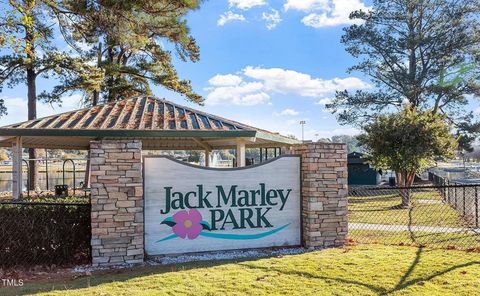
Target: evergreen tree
x,y
129,41
27,29
410,49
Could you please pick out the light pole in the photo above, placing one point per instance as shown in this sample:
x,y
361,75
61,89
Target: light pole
x,y
302,123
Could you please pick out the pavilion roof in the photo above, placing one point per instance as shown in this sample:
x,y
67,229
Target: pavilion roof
x,y
160,124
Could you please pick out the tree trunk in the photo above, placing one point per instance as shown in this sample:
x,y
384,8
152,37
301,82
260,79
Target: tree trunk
x,y
406,182
404,194
31,90
96,93
412,58
95,101
32,114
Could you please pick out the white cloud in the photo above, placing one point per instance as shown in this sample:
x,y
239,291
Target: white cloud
x,y
324,101
306,5
254,99
246,4
289,81
17,108
318,134
225,80
272,19
288,111
326,13
228,17
477,110
256,85
246,94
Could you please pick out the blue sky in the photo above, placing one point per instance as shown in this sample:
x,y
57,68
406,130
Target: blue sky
x,y
267,63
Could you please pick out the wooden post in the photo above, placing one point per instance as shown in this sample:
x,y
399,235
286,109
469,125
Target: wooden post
x,y
207,158
17,184
240,153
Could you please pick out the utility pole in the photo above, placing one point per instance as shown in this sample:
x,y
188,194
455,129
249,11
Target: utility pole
x,y
302,123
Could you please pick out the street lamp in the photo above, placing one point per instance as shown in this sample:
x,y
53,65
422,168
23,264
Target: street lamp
x,y
302,123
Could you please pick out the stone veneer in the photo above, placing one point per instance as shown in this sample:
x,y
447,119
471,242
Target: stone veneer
x,y
117,199
324,193
117,202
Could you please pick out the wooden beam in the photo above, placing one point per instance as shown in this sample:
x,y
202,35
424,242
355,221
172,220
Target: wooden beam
x,y
17,184
203,144
4,138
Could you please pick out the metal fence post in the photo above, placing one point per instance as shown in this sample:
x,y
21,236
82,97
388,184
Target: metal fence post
x,y
444,189
455,197
476,206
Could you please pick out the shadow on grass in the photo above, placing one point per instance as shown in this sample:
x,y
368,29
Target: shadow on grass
x,y
409,272
123,275
373,288
402,284
81,281
371,199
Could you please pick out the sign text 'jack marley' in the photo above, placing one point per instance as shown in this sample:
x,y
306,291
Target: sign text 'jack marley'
x,y
229,205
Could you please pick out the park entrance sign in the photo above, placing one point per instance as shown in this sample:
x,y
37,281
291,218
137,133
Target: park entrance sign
x,y
196,209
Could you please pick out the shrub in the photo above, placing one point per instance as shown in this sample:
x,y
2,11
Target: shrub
x,y
44,233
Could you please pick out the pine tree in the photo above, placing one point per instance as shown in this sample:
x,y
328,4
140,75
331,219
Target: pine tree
x,y
130,41
26,32
420,51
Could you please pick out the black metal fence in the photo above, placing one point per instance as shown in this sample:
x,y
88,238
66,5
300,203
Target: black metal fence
x,y
50,172
462,197
44,233
439,216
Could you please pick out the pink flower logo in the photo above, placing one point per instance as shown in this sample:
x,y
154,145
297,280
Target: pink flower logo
x,y
187,223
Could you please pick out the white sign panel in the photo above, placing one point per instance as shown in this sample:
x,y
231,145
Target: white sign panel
x,y
195,209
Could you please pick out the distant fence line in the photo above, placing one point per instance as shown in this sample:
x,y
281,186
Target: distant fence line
x,y
439,216
465,199
53,172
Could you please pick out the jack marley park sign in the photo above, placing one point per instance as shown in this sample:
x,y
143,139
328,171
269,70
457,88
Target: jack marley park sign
x,y
193,209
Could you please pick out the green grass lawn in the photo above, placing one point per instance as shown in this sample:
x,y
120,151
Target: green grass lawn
x,y
355,270
460,241
380,209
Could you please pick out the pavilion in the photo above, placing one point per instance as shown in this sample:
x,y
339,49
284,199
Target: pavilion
x,y
159,124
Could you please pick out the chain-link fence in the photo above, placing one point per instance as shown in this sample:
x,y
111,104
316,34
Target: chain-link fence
x,y
463,198
444,216
44,233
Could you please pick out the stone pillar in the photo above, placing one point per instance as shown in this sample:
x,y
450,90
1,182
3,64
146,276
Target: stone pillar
x,y
324,193
117,202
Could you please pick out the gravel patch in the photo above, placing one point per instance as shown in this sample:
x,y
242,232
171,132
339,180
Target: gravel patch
x,y
197,257
223,255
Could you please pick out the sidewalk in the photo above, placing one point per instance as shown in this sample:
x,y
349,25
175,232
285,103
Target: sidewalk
x,y
433,229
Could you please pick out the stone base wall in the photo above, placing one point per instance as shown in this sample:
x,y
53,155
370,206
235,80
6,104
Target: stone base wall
x,y
117,202
324,193
117,199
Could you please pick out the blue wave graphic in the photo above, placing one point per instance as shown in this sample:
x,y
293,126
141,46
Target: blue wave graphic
x,y
232,236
